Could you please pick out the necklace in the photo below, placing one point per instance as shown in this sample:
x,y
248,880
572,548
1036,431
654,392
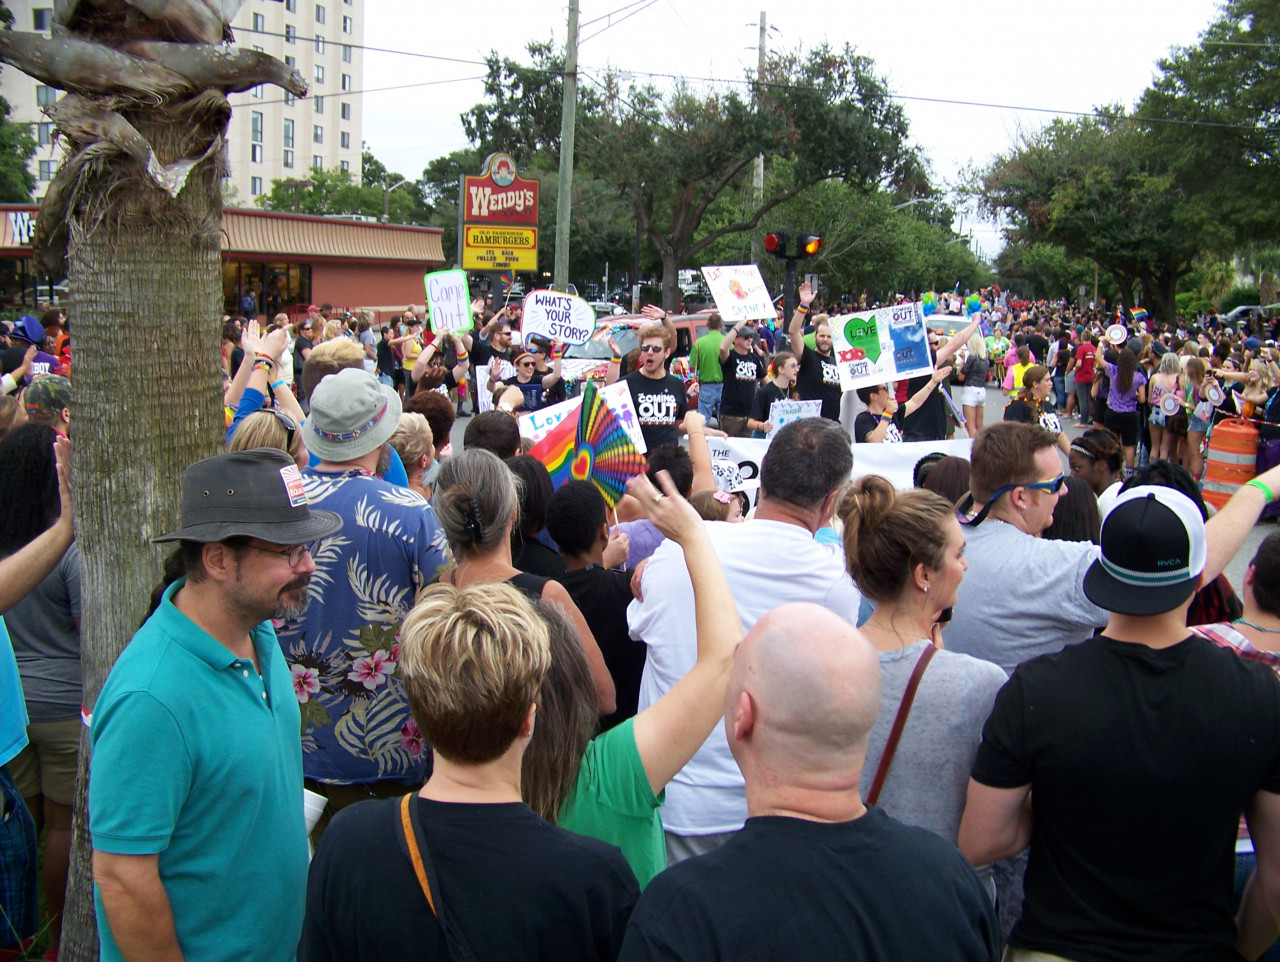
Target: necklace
x,y
1270,631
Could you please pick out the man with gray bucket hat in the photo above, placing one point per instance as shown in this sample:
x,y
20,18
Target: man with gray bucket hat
x,y
196,791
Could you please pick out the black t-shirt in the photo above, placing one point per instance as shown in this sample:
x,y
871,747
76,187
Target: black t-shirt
x,y
1039,345
300,343
534,395
787,888
742,373
819,380
518,887
660,405
866,422
765,396
482,353
386,357
602,596
535,558
1019,410
1140,762
928,422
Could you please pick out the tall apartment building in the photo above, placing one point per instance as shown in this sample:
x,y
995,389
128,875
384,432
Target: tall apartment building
x,y
273,135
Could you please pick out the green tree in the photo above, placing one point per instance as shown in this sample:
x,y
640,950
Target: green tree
x,y
333,191
1045,270
17,147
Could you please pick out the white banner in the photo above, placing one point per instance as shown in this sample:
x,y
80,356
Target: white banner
x,y
447,302
617,395
740,293
557,317
783,412
876,347
896,462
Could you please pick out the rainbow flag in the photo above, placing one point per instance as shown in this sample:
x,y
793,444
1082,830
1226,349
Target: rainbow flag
x,y
556,448
508,278
1139,313
591,444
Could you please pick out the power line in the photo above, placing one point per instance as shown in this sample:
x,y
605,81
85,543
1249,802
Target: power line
x,y
614,23
611,13
255,101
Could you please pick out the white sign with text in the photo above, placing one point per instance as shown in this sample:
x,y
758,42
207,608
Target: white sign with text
x,y
617,395
448,303
785,411
876,347
740,293
557,317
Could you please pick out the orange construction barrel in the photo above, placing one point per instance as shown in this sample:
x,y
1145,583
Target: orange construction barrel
x,y
1233,460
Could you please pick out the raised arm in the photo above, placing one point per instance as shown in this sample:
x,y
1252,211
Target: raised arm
x,y
655,313
549,379
695,425
958,340
913,403
615,363
795,329
726,342
1226,531
669,731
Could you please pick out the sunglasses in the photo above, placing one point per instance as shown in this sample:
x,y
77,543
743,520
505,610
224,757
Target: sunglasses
x,y
294,554
1053,486
290,426
525,364
651,348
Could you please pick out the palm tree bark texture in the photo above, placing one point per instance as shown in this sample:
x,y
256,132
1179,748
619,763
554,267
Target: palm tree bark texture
x,y
133,219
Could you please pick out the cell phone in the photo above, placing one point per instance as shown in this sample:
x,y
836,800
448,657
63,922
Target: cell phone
x,y
944,616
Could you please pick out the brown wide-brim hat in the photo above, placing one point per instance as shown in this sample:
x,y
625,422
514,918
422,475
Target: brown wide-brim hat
x,y
253,494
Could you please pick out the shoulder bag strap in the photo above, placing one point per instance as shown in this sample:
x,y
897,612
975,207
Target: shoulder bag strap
x,y
899,722
424,869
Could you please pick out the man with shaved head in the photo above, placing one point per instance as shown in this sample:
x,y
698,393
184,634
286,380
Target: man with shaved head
x,y
814,873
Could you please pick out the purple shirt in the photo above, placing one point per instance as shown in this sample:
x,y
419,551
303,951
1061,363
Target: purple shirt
x,y
1123,403
643,538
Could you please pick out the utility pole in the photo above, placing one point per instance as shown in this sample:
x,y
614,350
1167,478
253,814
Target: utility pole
x,y
757,178
568,115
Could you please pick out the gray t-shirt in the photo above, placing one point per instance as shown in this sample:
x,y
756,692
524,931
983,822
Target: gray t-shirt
x,y
1022,596
367,340
929,777
46,642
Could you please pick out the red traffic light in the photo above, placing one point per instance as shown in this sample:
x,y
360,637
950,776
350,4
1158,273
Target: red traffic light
x,y
776,243
809,244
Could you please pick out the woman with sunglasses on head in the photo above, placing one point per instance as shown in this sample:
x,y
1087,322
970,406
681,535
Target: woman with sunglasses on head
x,y
1097,458
905,552
1028,405
532,385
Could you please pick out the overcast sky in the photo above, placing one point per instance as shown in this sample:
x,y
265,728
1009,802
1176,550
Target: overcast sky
x,y
1016,53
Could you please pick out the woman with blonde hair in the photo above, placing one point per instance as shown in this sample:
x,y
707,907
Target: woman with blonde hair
x,y
477,500
332,329
269,428
415,445
973,375
905,552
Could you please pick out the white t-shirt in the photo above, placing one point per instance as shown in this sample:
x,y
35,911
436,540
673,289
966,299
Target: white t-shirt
x,y
767,564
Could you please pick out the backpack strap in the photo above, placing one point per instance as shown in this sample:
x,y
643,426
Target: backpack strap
x,y
899,722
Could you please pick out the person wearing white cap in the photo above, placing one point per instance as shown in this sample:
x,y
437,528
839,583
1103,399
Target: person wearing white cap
x,y
359,739
1125,762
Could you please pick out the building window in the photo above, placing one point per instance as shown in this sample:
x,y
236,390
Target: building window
x,y
288,158
348,24
45,131
346,53
317,134
345,165
288,133
291,62
319,44
317,162
45,96
255,153
255,186
346,111
319,73
319,13
47,169
290,33
288,99
345,139
255,126
41,18
291,6
346,81
259,49
256,93
318,103
259,23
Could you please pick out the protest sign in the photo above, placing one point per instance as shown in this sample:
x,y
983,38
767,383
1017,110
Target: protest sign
x,y
875,347
447,301
557,317
537,424
785,411
740,293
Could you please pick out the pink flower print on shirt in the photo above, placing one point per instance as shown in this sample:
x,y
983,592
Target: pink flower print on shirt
x,y
306,682
411,739
371,670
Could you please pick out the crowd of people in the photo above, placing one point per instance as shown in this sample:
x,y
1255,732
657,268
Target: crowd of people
x,y
1015,708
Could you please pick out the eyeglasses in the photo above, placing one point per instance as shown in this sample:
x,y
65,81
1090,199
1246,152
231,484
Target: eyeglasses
x,y
293,554
1053,486
290,427
651,348
525,364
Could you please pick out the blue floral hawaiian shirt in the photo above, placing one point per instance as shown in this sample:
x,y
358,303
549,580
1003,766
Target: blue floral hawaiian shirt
x,y
343,653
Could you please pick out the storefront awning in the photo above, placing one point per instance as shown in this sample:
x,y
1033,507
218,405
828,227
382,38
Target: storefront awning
x,y
293,235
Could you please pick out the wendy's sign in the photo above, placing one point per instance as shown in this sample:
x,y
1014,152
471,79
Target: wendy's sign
x,y
499,198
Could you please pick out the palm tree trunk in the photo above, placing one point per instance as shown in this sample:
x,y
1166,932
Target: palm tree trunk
x,y
146,272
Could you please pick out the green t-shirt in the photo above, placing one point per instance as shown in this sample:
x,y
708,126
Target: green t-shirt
x,y
613,801
705,357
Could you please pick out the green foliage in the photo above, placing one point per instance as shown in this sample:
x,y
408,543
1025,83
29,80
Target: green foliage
x,y
334,191
1241,294
1042,270
1185,300
17,147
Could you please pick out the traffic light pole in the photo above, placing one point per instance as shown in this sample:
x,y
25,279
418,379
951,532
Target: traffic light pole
x,y
789,299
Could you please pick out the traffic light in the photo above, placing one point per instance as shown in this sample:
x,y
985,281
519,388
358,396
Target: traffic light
x,y
776,243
808,245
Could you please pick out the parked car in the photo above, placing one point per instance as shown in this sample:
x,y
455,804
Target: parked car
x,y
590,361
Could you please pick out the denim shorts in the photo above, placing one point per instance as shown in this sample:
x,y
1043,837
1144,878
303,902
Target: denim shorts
x,y
1195,424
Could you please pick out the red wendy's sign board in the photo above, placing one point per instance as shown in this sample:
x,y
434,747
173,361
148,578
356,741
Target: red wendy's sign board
x,y
499,197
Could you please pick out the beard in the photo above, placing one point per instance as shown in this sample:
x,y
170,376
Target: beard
x,y
291,611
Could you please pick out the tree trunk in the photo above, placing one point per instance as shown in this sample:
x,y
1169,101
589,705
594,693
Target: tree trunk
x,y
670,279
147,274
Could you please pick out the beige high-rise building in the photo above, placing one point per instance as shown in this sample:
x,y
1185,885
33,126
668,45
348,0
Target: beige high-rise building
x,y
273,135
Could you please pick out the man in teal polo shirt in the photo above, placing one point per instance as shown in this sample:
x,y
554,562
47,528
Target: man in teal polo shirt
x,y
195,800
705,359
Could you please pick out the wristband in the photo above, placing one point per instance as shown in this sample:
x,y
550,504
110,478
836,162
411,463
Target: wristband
x,y
266,365
886,416
615,360
277,384
802,308
1263,488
